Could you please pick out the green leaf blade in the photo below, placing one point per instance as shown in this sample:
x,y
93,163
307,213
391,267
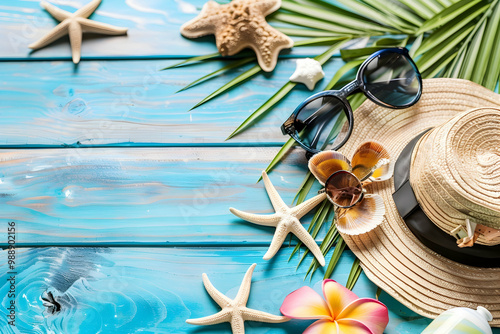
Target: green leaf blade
x,y
221,70
447,15
193,60
281,153
231,84
257,114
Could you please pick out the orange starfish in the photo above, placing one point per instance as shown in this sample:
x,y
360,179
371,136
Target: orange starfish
x,y
238,25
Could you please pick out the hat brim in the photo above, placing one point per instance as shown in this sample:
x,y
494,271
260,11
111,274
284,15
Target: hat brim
x,y
391,256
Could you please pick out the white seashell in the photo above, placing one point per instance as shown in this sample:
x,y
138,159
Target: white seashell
x,y
308,72
363,217
324,164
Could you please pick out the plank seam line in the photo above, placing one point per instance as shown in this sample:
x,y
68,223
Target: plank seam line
x,y
148,245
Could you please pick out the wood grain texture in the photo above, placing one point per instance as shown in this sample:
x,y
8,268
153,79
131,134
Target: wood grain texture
x,y
154,290
153,31
141,195
133,103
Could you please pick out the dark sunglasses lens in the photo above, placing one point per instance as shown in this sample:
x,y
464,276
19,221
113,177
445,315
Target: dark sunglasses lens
x,y
391,78
343,189
322,123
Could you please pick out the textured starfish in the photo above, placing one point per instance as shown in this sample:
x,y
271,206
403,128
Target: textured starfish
x,y
238,25
235,310
285,220
308,72
75,24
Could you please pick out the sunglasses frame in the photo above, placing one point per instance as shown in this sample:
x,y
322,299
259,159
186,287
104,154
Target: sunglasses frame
x,y
289,126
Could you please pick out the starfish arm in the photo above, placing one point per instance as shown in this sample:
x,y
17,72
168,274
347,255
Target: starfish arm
x,y
56,33
265,220
56,12
300,232
238,325
254,315
75,39
275,198
295,76
278,238
301,210
217,318
216,295
267,6
267,53
88,9
244,291
204,24
101,28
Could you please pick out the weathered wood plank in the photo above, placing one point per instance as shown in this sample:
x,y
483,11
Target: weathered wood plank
x,y
143,290
141,195
153,25
132,103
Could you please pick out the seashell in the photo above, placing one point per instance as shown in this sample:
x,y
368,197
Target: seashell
x,y
324,164
344,189
371,159
363,217
384,172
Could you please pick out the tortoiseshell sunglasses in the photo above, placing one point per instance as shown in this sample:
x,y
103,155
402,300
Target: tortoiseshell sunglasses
x,y
388,77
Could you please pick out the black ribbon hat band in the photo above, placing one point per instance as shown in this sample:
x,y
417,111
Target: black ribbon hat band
x,y
424,229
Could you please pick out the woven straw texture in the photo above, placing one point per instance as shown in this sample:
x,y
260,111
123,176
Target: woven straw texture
x,y
391,256
455,171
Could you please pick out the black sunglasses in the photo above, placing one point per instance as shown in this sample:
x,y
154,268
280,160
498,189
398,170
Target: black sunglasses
x,y
388,77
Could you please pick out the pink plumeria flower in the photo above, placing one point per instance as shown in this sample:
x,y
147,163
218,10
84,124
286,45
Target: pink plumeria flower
x,y
342,312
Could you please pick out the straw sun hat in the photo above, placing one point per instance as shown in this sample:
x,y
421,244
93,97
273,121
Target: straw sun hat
x,y
446,151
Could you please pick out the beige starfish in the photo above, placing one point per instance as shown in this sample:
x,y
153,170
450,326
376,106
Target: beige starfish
x,y
75,24
238,25
235,310
285,220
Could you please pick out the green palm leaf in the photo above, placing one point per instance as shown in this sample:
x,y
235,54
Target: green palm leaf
x,y
301,32
221,70
354,274
383,17
332,16
314,23
193,60
231,84
442,34
339,248
484,57
447,15
279,95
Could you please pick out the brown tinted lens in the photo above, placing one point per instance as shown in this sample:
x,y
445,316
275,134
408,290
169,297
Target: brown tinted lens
x,y
343,189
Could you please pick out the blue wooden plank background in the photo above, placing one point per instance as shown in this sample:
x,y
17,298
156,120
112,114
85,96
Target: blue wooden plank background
x,y
141,195
153,31
154,176
154,290
133,103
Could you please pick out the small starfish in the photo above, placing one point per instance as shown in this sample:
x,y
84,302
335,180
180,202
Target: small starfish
x,y
235,310
238,25
285,220
308,72
75,24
